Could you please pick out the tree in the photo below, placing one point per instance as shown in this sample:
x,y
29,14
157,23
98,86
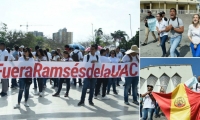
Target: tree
x,y
98,34
3,30
119,35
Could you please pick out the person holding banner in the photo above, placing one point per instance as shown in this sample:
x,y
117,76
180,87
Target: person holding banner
x,y
196,87
176,28
91,82
194,36
147,30
24,83
132,55
4,57
160,27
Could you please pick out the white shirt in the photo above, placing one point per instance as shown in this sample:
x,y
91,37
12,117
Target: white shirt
x,y
194,33
91,58
11,57
114,60
44,58
67,60
97,53
119,55
162,26
148,103
126,58
104,59
198,88
80,55
55,58
3,54
49,55
33,53
22,59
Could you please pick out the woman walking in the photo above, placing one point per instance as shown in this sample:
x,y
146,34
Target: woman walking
x,y
194,36
24,83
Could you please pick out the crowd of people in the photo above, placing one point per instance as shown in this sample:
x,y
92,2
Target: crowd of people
x,y
69,54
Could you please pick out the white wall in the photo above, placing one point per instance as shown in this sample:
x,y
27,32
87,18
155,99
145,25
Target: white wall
x,y
185,71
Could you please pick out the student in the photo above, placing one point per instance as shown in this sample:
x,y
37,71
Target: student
x,y
65,59
176,28
24,83
102,81
112,81
149,16
194,36
56,57
132,55
160,27
4,57
40,56
34,53
91,82
16,56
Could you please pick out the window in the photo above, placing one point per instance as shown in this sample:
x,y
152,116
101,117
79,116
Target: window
x,y
176,79
142,80
151,80
164,81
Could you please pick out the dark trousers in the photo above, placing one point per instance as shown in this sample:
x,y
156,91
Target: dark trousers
x,y
35,83
14,82
79,81
55,81
101,81
67,85
40,84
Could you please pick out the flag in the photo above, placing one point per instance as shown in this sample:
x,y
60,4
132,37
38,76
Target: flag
x,y
191,82
181,104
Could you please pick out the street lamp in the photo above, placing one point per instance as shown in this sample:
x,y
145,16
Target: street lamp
x,y
92,32
130,24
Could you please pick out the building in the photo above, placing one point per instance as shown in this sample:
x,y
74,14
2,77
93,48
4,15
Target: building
x,y
62,36
182,6
37,34
167,76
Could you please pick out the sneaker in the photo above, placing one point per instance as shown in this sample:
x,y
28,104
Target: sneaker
x,y
91,103
3,94
136,102
26,104
154,41
127,103
164,55
36,93
105,98
143,44
158,45
40,94
17,106
56,95
95,97
81,103
66,95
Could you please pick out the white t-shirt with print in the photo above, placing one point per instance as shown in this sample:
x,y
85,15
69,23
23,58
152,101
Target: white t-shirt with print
x,y
3,54
148,103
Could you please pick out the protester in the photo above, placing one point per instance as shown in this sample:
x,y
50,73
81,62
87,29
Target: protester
x,y
160,27
107,52
119,55
4,57
196,87
148,104
65,59
102,81
16,56
141,105
149,16
157,107
56,57
176,28
77,56
49,54
34,53
194,36
91,58
24,83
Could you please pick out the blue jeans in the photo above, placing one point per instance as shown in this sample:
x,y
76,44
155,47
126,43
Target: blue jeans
x,y
112,81
91,82
195,52
14,82
147,113
157,109
163,39
128,81
140,110
23,86
174,42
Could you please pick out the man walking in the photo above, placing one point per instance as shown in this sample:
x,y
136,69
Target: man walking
x,y
149,16
176,28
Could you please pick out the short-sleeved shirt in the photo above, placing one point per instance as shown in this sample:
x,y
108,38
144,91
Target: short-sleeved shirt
x,y
162,26
126,58
104,59
80,55
15,54
3,54
92,57
55,58
148,103
175,24
119,55
194,33
22,59
114,60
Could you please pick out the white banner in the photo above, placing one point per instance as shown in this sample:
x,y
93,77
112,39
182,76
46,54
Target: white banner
x,y
152,24
67,70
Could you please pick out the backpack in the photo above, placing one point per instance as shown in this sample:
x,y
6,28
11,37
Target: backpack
x,y
165,19
88,57
177,21
75,57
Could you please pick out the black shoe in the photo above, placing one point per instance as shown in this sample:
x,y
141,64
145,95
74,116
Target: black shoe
x,y
143,44
91,103
164,55
81,103
154,41
3,94
118,85
115,93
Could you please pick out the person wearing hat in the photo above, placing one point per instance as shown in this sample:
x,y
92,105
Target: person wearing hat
x,y
149,16
132,55
148,104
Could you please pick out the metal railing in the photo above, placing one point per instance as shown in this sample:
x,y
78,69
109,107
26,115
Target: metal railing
x,y
193,1
154,11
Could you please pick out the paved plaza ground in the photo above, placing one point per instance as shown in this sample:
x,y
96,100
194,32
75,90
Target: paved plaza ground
x,y
61,108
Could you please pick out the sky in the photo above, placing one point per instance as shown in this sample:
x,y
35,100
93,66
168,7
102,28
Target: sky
x,y
195,62
75,15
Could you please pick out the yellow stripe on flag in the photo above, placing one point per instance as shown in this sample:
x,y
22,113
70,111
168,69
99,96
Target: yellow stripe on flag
x,y
180,107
